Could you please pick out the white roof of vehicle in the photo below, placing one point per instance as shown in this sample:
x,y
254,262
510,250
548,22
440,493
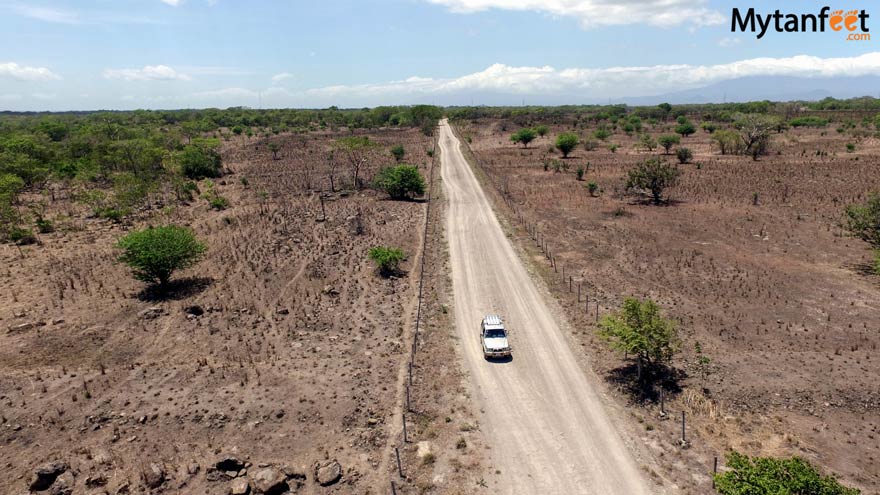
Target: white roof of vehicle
x,y
493,320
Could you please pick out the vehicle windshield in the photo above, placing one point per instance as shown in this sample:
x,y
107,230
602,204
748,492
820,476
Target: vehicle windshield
x,y
495,333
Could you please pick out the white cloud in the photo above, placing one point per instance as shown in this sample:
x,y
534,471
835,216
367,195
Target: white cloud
x,y
601,83
47,14
147,73
729,42
10,97
592,13
173,3
24,73
227,93
281,77
44,96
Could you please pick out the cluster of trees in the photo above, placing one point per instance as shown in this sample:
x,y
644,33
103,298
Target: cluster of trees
x,y
863,221
116,162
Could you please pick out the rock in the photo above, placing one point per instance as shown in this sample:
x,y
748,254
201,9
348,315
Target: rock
x,y
102,457
96,481
330,291
328,472
151,313
297,473
46,474
239,486
63,484
154,476
270,481
283,311
194,310
193,468
24,327
229,463
58,321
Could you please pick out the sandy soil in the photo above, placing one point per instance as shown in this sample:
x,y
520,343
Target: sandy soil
x,y
283,349
774,291
549,427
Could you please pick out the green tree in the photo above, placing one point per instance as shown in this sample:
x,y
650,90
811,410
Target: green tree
x,y
542,130
524,136
666,108
274,148
648,142
602,133
566,142
728,142
387,259
639,330
863,221
771,476
155,253
685,129
10,186
401,181
398,152
668,141
653,175
198,162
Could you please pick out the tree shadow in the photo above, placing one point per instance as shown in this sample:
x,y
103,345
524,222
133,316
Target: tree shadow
x,y
865,269
654,379
175,290
647,200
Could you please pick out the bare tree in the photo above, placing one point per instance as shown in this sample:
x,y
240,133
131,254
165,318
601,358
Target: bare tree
x,y
356,150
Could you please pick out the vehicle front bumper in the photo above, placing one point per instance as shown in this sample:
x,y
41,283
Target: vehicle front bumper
x,y
496,354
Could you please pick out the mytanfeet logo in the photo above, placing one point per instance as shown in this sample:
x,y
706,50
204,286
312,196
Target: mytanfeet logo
x,y
853,22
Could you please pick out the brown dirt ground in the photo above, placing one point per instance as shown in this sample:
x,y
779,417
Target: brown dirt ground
x,y
776,294
295,360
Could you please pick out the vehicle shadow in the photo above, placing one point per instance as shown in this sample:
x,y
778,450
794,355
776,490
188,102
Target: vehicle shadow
x,y
501,360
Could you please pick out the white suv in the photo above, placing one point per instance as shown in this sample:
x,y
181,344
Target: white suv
x,y
493,338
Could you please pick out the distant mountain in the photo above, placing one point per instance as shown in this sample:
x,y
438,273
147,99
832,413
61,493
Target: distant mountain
x,y
774,88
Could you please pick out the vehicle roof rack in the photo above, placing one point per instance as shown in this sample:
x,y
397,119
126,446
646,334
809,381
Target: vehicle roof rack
x,y
492,320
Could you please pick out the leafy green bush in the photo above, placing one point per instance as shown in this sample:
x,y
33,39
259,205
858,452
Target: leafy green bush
x,y
639,330
398,152
602,134
20,235
653,175
809,121
684,155
387,259
593,188
401,181
668,141
45,226
197,162
155,253
580,172
218,202
542,130
524,136
566,143
685,128
770,476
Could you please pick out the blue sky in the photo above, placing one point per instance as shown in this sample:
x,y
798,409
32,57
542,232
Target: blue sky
x,y
122,54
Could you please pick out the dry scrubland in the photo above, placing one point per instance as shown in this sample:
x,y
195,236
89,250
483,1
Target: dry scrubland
x,y
283,348
779,298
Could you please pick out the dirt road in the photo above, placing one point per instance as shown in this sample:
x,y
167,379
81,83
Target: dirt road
x,y
549,431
